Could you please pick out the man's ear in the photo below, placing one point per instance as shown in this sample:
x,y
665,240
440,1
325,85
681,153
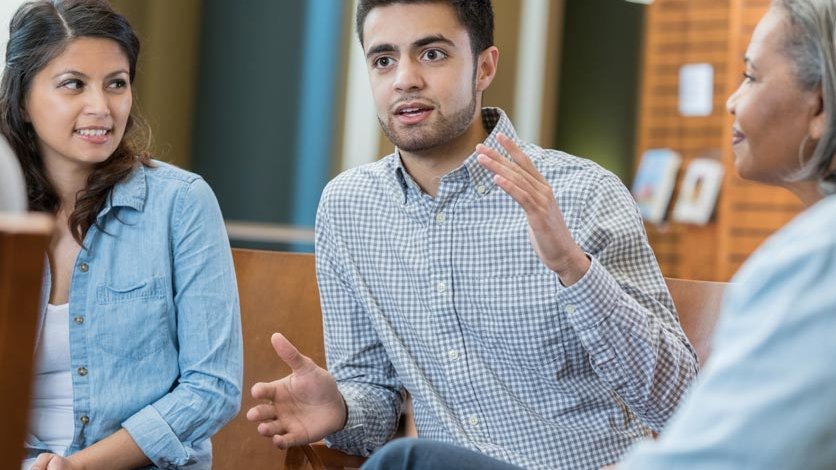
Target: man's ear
x,y
486,66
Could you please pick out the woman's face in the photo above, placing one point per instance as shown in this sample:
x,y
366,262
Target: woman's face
x,y
79,104
772,113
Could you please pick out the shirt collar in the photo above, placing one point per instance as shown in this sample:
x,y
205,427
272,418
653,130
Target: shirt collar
x,y
131,192
495,121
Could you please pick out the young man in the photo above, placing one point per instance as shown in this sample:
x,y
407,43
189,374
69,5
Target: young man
x,y
509,289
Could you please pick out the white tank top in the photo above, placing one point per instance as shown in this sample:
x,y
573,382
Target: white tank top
x,y
51,416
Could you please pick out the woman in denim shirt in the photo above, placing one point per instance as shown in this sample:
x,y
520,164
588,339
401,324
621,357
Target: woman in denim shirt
x,y
139,354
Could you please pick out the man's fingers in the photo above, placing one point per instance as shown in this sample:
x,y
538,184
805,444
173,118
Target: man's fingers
x,y
519,157
288,353
271,428
503,170
263,391
285,441
262,413
524,176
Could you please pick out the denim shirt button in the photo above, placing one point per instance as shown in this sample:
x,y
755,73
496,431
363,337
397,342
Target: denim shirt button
x,y
78,320
84,419
83,267
82,371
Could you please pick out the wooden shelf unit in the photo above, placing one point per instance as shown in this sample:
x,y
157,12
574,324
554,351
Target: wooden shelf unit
x,y
680,32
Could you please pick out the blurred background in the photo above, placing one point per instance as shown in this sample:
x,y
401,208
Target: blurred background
x,y
268,100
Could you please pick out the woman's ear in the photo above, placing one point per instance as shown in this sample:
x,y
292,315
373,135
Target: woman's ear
x,y
818,119
25,113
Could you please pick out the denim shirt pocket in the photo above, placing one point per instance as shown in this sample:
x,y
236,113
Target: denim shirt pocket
x,y
518,316
132,317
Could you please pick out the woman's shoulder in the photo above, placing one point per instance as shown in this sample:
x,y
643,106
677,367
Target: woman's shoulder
x,y
167,173
807,239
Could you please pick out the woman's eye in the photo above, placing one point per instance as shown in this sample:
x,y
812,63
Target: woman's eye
x,y
72,84
118,84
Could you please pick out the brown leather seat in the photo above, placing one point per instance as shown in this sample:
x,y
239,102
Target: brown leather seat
x,y
278,292
698,304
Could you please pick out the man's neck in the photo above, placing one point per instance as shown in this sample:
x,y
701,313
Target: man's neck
x,y
428,167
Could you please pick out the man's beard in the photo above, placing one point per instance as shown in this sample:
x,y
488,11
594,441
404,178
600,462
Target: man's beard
x,y
426,136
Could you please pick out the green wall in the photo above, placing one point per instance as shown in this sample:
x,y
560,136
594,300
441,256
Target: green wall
x,y
599,82
247,105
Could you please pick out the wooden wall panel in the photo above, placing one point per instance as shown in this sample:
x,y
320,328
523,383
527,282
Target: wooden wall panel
x,y
749,212
679,32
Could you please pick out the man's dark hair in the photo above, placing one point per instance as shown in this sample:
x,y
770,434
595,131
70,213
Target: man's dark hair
x,y
475,15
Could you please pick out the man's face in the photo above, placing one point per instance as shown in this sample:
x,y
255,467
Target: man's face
x,y
422,74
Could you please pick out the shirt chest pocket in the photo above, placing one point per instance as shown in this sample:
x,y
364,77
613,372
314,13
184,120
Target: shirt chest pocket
x,y
518,317
131,317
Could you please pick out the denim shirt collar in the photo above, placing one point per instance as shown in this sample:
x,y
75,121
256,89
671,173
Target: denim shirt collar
x,y
130,192
495,121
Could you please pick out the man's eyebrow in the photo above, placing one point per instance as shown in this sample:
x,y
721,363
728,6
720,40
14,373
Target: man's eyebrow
x,y
425,41
433,39
380,48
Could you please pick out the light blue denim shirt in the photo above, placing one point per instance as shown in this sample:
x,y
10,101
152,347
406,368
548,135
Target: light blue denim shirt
x,y
766,397
155,328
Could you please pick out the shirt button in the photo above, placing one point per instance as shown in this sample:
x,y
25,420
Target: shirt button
x,y
83,267
453,354
481,189
84,419
82,371
78,320
441,287
570,309
473,420
440,217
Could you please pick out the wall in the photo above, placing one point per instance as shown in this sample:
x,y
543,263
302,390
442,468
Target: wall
x,y
599,82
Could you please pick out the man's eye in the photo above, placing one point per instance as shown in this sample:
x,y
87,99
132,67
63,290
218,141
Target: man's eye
x,y
383,62
434,55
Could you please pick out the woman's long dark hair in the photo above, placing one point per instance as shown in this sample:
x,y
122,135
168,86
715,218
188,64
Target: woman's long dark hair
x,y
40,31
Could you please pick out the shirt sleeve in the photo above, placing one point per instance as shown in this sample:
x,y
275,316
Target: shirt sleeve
x,y
765,399
355,355
622,311
208,393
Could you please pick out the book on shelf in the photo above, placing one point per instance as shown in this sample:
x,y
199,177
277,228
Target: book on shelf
x,y
654,183
698,193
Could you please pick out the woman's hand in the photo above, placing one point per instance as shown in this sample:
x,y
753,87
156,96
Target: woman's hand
x,y
54,462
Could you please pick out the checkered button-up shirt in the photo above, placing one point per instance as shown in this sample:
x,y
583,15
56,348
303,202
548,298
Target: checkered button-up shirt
x,y
444,297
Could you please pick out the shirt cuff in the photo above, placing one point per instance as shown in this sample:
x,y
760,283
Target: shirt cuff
x,y
350,438
156,439
592,299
